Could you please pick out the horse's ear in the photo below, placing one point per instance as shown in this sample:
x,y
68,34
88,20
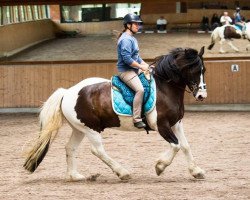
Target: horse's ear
x,y
201,51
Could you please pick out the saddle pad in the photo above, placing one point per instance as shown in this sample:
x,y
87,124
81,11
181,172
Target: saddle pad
x,y
237,27
122,96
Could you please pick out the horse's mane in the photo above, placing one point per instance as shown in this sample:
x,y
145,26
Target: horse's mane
x,y
166,66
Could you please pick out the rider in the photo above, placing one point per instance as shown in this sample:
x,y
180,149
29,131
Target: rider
x,y
130,64
238,20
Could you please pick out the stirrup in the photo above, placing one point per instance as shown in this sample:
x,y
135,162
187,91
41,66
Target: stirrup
x,y
140,124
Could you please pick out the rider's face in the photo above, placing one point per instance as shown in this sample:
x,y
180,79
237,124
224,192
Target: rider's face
x,y
134,27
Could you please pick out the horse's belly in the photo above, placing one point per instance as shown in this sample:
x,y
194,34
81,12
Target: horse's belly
x,y
128,125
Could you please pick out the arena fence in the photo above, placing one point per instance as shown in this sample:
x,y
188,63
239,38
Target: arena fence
x,y
28,84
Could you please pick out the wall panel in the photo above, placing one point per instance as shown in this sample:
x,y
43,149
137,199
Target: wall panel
x,y
19,36
225,86
28,85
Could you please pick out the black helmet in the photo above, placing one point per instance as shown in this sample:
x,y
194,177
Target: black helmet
x,y
129,18
238,9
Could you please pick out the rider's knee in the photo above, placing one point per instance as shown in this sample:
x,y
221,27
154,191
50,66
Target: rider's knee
x,y
140,90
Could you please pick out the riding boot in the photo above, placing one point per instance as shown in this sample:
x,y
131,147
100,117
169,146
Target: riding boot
x,y
244,32
140,124
244,35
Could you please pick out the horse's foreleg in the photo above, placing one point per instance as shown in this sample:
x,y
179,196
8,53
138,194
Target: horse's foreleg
x,y
221,46
195,171
167,157
99,151
232,46
248,47
71,147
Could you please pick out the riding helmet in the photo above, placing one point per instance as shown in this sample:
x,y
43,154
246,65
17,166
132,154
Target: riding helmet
x,y
130,18
238,9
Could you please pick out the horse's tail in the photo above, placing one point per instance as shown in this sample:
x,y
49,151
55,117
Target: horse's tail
x,y
51,119
214,36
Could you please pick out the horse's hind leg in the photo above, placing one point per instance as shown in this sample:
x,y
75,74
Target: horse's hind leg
x,y
99,151
232,46
248,47
194,170
221,46
71,147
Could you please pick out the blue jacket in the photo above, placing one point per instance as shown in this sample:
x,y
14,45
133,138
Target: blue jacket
x,y
128,51
237,18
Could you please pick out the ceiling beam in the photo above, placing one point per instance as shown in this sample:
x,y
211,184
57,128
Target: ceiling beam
x,y
79,2
75,2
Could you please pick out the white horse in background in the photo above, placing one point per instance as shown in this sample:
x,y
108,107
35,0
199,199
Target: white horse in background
x,y
227,33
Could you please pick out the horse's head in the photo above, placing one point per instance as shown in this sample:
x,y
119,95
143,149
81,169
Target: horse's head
x,y
192,70
184,67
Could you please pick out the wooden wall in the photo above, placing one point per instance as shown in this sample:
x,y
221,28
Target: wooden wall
x,y
30,85
16,37
192,15
158,7
225,86
92,27
23,86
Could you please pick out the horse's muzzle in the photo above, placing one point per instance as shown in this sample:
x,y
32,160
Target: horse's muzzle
x,y
201,95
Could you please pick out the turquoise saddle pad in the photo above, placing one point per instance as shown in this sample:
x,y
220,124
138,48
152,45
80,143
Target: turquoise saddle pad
x,y
123,96
238,27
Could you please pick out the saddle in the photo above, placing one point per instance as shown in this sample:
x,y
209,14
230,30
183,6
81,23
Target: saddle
x,y
239,28
122,96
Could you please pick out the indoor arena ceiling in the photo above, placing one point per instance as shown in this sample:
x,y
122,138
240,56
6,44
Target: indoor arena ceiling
x,y
72,2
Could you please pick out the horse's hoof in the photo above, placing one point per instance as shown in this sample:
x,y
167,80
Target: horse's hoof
x,y
199,176
222,52
197,173
124,174
125,177
159,168
75,177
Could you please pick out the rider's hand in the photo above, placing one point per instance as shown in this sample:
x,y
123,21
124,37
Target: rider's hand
x,y
144,67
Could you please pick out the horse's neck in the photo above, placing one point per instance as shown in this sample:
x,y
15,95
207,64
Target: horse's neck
x,y
174,91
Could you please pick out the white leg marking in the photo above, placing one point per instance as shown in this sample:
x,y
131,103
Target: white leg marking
x,y
195,171
99,151
232,46
221,46
166,158
71,147
247,48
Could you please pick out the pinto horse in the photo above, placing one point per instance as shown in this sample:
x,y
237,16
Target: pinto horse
x,y
227,33
88,110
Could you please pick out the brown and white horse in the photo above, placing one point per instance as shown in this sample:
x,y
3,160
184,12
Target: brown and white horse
x,y
88,109
227,33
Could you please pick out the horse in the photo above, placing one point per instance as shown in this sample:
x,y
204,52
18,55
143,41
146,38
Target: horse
x,y
87,108
227,33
